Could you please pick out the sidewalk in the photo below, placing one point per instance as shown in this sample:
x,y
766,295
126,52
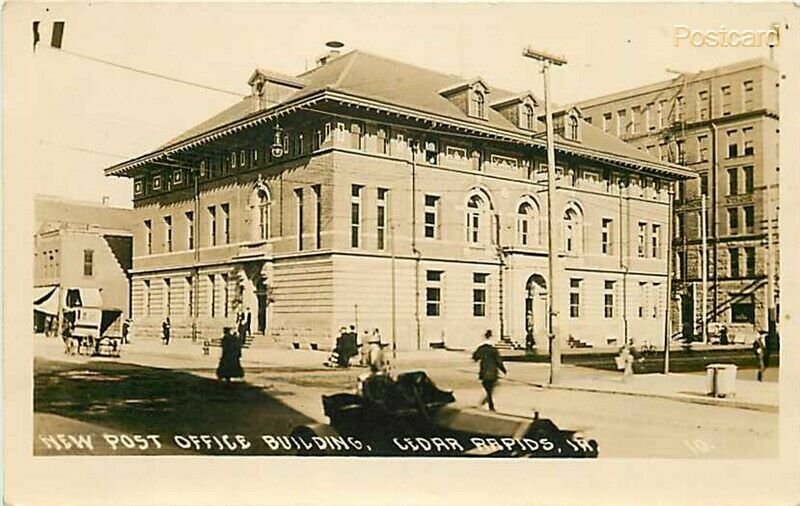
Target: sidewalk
x,y
675,386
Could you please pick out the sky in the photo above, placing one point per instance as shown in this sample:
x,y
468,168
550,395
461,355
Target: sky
x,y
74,117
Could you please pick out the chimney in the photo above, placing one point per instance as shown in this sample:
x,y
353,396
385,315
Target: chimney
x,y
334,50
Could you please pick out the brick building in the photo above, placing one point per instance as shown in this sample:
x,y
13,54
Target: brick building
x,y
81,245
723,125
372,192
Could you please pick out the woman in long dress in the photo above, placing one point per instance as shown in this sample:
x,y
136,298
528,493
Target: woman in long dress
x,y
229,363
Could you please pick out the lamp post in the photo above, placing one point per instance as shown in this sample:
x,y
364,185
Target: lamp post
x,y
552,320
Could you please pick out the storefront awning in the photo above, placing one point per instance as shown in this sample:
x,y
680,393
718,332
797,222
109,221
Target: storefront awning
x,y
84,297
45,299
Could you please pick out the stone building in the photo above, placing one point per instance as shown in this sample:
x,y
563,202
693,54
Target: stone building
x,y
83,246
372,192
723,125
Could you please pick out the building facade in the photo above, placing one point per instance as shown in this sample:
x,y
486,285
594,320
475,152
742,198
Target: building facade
x,y
372,192
81,245
722,124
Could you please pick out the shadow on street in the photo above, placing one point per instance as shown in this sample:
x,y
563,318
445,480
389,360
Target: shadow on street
x,y
133,399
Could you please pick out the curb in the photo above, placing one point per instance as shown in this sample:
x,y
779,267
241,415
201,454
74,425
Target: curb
x,y
709,401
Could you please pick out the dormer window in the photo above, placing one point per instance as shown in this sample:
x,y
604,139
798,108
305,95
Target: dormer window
x,y
528,117
573,128
478,104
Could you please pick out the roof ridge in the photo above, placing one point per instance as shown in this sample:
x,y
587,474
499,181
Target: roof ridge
x,y
346,69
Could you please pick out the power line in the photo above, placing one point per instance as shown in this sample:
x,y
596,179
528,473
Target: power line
x,y
82,150
150,73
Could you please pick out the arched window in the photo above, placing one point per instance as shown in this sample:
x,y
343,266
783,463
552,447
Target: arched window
x,y
262,213
573,231
573,128
527,225
479,103
475,209
528,118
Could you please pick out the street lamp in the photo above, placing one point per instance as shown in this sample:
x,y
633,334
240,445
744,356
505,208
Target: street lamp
x,y
555,348
277,142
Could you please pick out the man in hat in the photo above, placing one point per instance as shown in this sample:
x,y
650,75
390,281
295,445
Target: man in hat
x,y
761,357
490,364
377,361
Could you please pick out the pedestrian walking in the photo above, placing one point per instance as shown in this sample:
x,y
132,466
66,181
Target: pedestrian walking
x,y
165,329
126,328
490,365
377,359
759,351
230,365
248,321
241,329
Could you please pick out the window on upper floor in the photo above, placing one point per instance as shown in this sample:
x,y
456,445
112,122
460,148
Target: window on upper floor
x,y
748,178
528,117
733,181
747,134
702,148
607,122
733,143
607,236
431,222
573,130
476,208
528,224
431,152
702,105
478,103
88,262
572,226
748,92
382,139
725,93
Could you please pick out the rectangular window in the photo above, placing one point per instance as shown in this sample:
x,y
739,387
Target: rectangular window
x,y
212,225
226,223
318,139
649,114
642,240
702,148
156,182
750,259
748,179
663,152
382,137
655,241
479,285
148,237
622,122
298,197
225,295
431,216
168,233
433,293
88,262
749,219
212,295
733,220
431,152
642,298
680,225
607,122
383,195
733,181
703,184
190,230
357,135
702,105
743,312
255,156
299,145
608,299
456,153
662,113
355,215
189,296
138,187
167,295
177,176
680,264
317,189
725,92
636,120
607,236
681,146
747,133
733,264
242,158
656,297
733,144
233,160
146,296
680,107
747,95
575,298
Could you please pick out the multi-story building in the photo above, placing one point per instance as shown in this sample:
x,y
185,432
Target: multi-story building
x,y
372,192
723,125
83,246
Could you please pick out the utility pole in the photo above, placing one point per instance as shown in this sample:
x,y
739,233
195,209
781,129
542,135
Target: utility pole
x,y
552,321
668,315
704,307
394,295
771,316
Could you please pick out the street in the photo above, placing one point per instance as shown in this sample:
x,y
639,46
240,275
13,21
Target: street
x,y
170,393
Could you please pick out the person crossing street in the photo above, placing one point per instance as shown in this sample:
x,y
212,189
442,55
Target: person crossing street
x,y
490,365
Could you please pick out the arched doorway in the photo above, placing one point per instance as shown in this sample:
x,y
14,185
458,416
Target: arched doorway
x,y
536,310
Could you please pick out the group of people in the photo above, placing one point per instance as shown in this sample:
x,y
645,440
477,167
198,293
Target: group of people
x,y
370,349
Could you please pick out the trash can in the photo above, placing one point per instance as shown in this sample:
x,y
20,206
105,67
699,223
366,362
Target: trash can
x,y
721,380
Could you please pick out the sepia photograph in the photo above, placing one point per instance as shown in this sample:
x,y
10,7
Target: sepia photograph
x,y
326,236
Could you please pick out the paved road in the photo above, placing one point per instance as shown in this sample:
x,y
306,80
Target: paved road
x,y
153,393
